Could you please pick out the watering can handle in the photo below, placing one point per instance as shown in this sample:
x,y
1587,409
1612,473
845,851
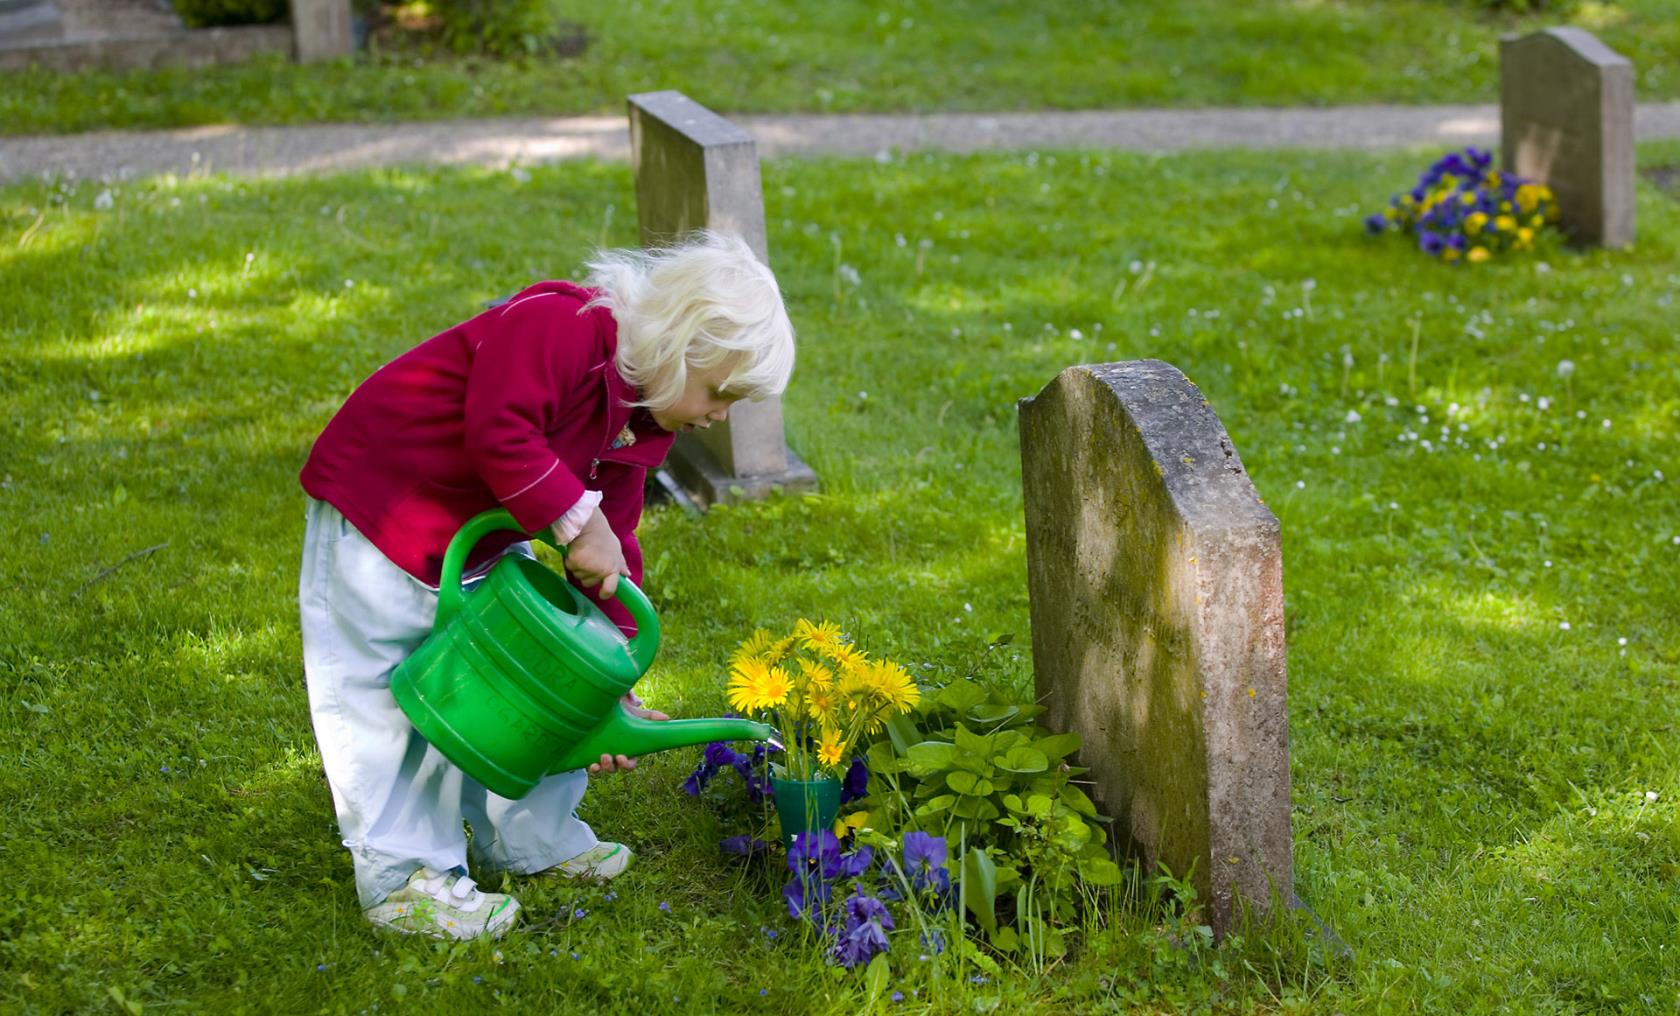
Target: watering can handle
x,y
642,647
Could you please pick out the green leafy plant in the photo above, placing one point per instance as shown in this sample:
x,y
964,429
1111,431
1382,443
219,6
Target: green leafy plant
x,y
209,13
974,768
504,28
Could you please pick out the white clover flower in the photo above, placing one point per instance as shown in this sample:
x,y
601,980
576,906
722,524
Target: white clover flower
x,y
1563,625
1352,416
105,200
1565,368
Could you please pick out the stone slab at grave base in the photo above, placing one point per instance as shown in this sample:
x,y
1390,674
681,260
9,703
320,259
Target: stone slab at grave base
x,y
697,469
1155,576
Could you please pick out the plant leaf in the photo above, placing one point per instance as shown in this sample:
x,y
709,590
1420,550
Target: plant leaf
x,y
1058,745
1075,798
1099,871
960,695
964,782
929,757
903,732
972,743
875,977
979,887
882,758
1023,760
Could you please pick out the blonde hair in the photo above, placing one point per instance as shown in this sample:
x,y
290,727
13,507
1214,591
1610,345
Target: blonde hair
x,y
704,303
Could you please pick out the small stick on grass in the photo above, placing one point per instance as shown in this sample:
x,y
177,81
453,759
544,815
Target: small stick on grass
x,y
132,557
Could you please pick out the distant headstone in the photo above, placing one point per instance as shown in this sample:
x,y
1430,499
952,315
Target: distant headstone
x,y
1156,583
696,170
322,29
1566,119
29,20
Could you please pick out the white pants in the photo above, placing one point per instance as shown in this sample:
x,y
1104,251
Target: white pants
x,y
400,803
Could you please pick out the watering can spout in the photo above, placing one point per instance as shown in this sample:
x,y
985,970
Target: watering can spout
x,y
621,733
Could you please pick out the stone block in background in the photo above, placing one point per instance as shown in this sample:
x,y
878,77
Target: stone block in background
x,y
1566,119
322,29
696,170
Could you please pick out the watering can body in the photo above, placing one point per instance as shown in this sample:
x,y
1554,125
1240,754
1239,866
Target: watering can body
x,y
522,677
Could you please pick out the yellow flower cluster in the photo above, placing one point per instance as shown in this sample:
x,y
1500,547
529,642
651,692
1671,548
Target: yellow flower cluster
x,y
818,689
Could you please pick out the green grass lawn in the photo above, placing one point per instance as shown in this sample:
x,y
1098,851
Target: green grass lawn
x,y
786,55
1481,562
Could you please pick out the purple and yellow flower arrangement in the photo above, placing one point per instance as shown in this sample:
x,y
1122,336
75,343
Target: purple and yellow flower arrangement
x,y
1463,210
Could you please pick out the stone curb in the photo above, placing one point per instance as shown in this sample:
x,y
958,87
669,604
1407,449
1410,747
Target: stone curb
x,y
325,148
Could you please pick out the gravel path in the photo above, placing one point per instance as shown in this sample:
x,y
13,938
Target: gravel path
x,y
501,142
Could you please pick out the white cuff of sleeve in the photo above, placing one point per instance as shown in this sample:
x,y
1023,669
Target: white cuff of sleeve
x,y
570,524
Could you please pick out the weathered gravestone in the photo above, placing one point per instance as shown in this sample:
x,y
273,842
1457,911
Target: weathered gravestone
x,y
1566,119
1156,581
322,29
696,170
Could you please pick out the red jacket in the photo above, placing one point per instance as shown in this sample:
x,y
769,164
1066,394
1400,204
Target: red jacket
x,y
519,406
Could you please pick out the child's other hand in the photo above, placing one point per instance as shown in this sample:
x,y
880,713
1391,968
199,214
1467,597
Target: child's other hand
x,y
596,558
624,763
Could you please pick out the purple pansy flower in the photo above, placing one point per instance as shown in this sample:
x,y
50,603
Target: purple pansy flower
x,y
744,846
865,930
856,783
817,852
924,861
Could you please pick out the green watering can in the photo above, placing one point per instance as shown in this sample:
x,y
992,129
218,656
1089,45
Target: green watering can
x,y
522,677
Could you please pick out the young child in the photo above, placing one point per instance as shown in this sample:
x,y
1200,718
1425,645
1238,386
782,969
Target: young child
x,y
553,405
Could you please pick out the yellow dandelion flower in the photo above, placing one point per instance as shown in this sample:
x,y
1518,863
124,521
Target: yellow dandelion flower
x,y
745,678
822,636
828,749
776,687
755,685
781,649
815,675
1505,223
1478,254
855,679
1528,196
1474,222
892,686
755,647
822,705
844,654
1537,221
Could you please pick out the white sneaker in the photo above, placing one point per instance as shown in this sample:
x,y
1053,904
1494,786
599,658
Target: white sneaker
x,y
449,905
600,863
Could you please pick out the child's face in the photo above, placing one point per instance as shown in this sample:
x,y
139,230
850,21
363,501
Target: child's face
x,y
701,404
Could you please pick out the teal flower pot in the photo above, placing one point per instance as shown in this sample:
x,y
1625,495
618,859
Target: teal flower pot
x,y
804,806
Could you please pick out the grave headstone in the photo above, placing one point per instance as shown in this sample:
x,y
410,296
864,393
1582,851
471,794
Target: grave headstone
x,y
1156,582
322,29
696,170
1566,119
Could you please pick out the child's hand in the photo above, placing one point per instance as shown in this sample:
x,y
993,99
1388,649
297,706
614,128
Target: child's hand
x,y
617,763
595,557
